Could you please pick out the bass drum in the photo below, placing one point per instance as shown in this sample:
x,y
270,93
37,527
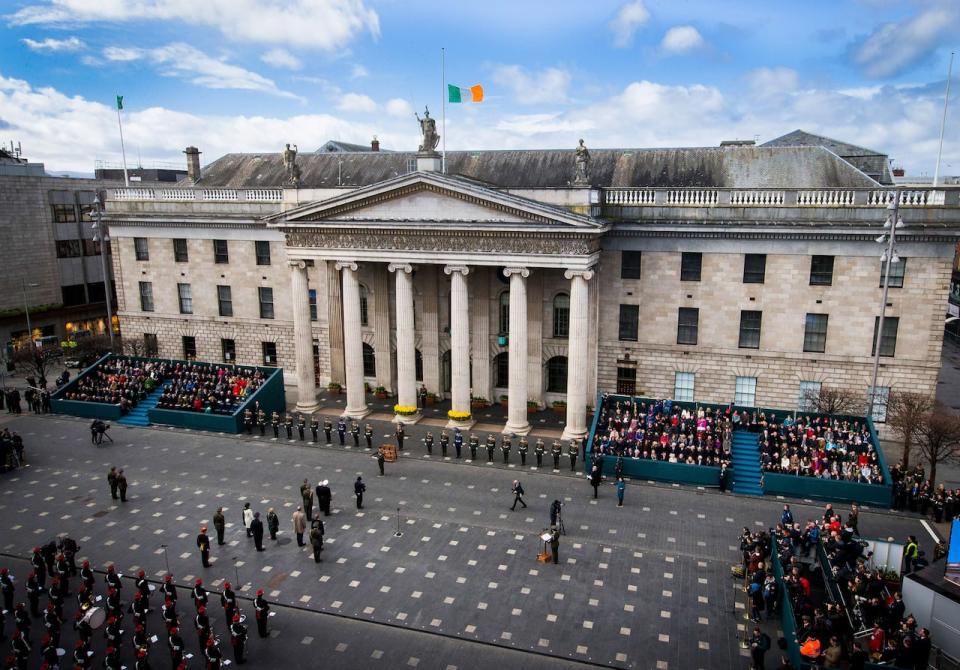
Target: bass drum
x,y
95,616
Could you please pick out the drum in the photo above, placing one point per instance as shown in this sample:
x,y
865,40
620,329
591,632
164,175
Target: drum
x,y
95,616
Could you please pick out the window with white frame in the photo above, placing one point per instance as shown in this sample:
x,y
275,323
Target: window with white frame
x,y
746,392
683,386
880,399
809,392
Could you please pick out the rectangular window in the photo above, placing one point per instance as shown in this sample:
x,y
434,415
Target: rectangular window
x,y
630,265
229,349
96,292
629,322
313,303
150,346
270,354
221,252
626,381
815,333
809,392
888,340
141,246
68,249
754,268
91,248
897,270
75,294
688,321
746,392
262,248
691,263
266,302
750,321
879,411
185,295
180,253
146,296
225,300
821,270
683,386
189,347
64,214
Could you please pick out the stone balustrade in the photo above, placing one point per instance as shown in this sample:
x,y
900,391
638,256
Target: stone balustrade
x,y
828,197
196,194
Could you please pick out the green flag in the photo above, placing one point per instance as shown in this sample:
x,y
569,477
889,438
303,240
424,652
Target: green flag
x,y
119,102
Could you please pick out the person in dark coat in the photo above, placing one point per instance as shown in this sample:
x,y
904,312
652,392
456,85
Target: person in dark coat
x,y
358,488
256,527
273,523
595,477
324,496
220,524
203,544
122,485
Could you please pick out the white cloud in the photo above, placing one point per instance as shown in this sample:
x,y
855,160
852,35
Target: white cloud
x,y
183,60
893,47
681,39
51,44
767,81
281,58
624,25
356,102
358,71
311,24
400,108
532,88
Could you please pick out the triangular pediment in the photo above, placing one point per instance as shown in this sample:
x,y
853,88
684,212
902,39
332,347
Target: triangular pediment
x,y
431,198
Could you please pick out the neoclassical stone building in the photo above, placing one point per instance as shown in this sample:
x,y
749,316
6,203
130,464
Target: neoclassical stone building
x,y
735,273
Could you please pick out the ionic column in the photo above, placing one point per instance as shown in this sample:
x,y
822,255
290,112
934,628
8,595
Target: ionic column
x,y
517,393
459,342
406,344
578,342
302,337
352,342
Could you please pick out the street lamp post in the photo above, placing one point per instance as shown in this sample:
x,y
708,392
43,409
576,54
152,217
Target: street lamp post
x,y
893,222
26,307
101,235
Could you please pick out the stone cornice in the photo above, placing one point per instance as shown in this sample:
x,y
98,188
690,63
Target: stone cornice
x,y
786,235
482,242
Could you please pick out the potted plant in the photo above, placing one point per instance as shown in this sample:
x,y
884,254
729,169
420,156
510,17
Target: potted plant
x,y
334,387
560,406
532,406
462,417
503,402
479,403
405,410
431,398
380,392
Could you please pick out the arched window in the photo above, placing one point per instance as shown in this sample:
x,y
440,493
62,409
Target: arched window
x,y
369,361
418,365
504,313
557,375
363,305
561,315
501,370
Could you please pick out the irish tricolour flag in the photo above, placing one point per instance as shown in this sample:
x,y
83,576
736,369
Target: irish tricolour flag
x,y
457,94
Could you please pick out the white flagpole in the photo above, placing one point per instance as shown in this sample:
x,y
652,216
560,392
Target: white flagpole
x,y
443,99
123,152
943,122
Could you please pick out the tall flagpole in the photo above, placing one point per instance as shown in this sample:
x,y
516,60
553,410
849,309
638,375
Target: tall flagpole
x,y
943,122
123,152
443,99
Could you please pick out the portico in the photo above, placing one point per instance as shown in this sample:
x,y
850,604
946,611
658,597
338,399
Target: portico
x,y
442,235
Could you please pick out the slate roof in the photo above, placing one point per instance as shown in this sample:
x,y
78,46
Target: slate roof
x,y
871,162
336,146
733,167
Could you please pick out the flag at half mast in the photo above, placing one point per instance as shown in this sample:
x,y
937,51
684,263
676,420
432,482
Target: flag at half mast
x,y
457,94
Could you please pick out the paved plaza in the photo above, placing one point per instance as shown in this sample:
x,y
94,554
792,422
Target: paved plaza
x,y
643,586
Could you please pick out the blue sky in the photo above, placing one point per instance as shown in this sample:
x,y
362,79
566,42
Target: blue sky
x,y
249,75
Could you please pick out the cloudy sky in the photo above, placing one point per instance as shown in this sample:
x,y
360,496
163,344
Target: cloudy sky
x,y
250,75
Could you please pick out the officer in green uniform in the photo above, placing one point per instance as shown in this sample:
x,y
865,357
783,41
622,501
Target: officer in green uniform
x,y
556,450
538,450
400,435
288,422
314,427
474,443
328,429
368,433
355,431
301,425
275,420
248,421
572,452
505,444
444,443
428,440
491,445
262,421
524,445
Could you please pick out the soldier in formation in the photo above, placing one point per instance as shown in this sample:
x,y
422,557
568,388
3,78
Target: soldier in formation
x,y
524,445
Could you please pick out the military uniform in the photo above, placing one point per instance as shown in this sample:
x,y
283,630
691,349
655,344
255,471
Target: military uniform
x,y
314,427
400,435
457,441
342,431
539,450
380,459
288,422
327,429
355,432
491,445
572,452
428,440
444,443
474,443
556,450
238,639
262,422
524,445
301,425
261,609
275,420
505,448
368,433
248,421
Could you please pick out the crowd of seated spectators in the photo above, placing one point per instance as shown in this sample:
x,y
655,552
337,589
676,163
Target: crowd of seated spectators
x,y
119,381
210,388
663,431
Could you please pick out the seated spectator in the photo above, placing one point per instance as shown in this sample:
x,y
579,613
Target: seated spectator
x,y
209,388
119,381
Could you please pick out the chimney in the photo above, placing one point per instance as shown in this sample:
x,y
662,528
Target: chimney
x,y
193,163
375,144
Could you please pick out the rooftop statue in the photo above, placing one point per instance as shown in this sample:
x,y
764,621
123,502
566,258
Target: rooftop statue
x,y
290,165
581,176
428,128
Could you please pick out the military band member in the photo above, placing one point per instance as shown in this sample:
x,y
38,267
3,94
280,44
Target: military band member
x,y
556,450
457,441
262,421
288,422
491,445
238,639
539,450
368,433
33,594
444,443
202,624
114,604
355,432
228,601
524,445
87,576
176,645
314,427
428,440
275,421
572,452
112,633
474,443
203,544
36,561
301,425
342,431
199,594
327,429
51,622
505,443
168,612
248,421
400,435
262,610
